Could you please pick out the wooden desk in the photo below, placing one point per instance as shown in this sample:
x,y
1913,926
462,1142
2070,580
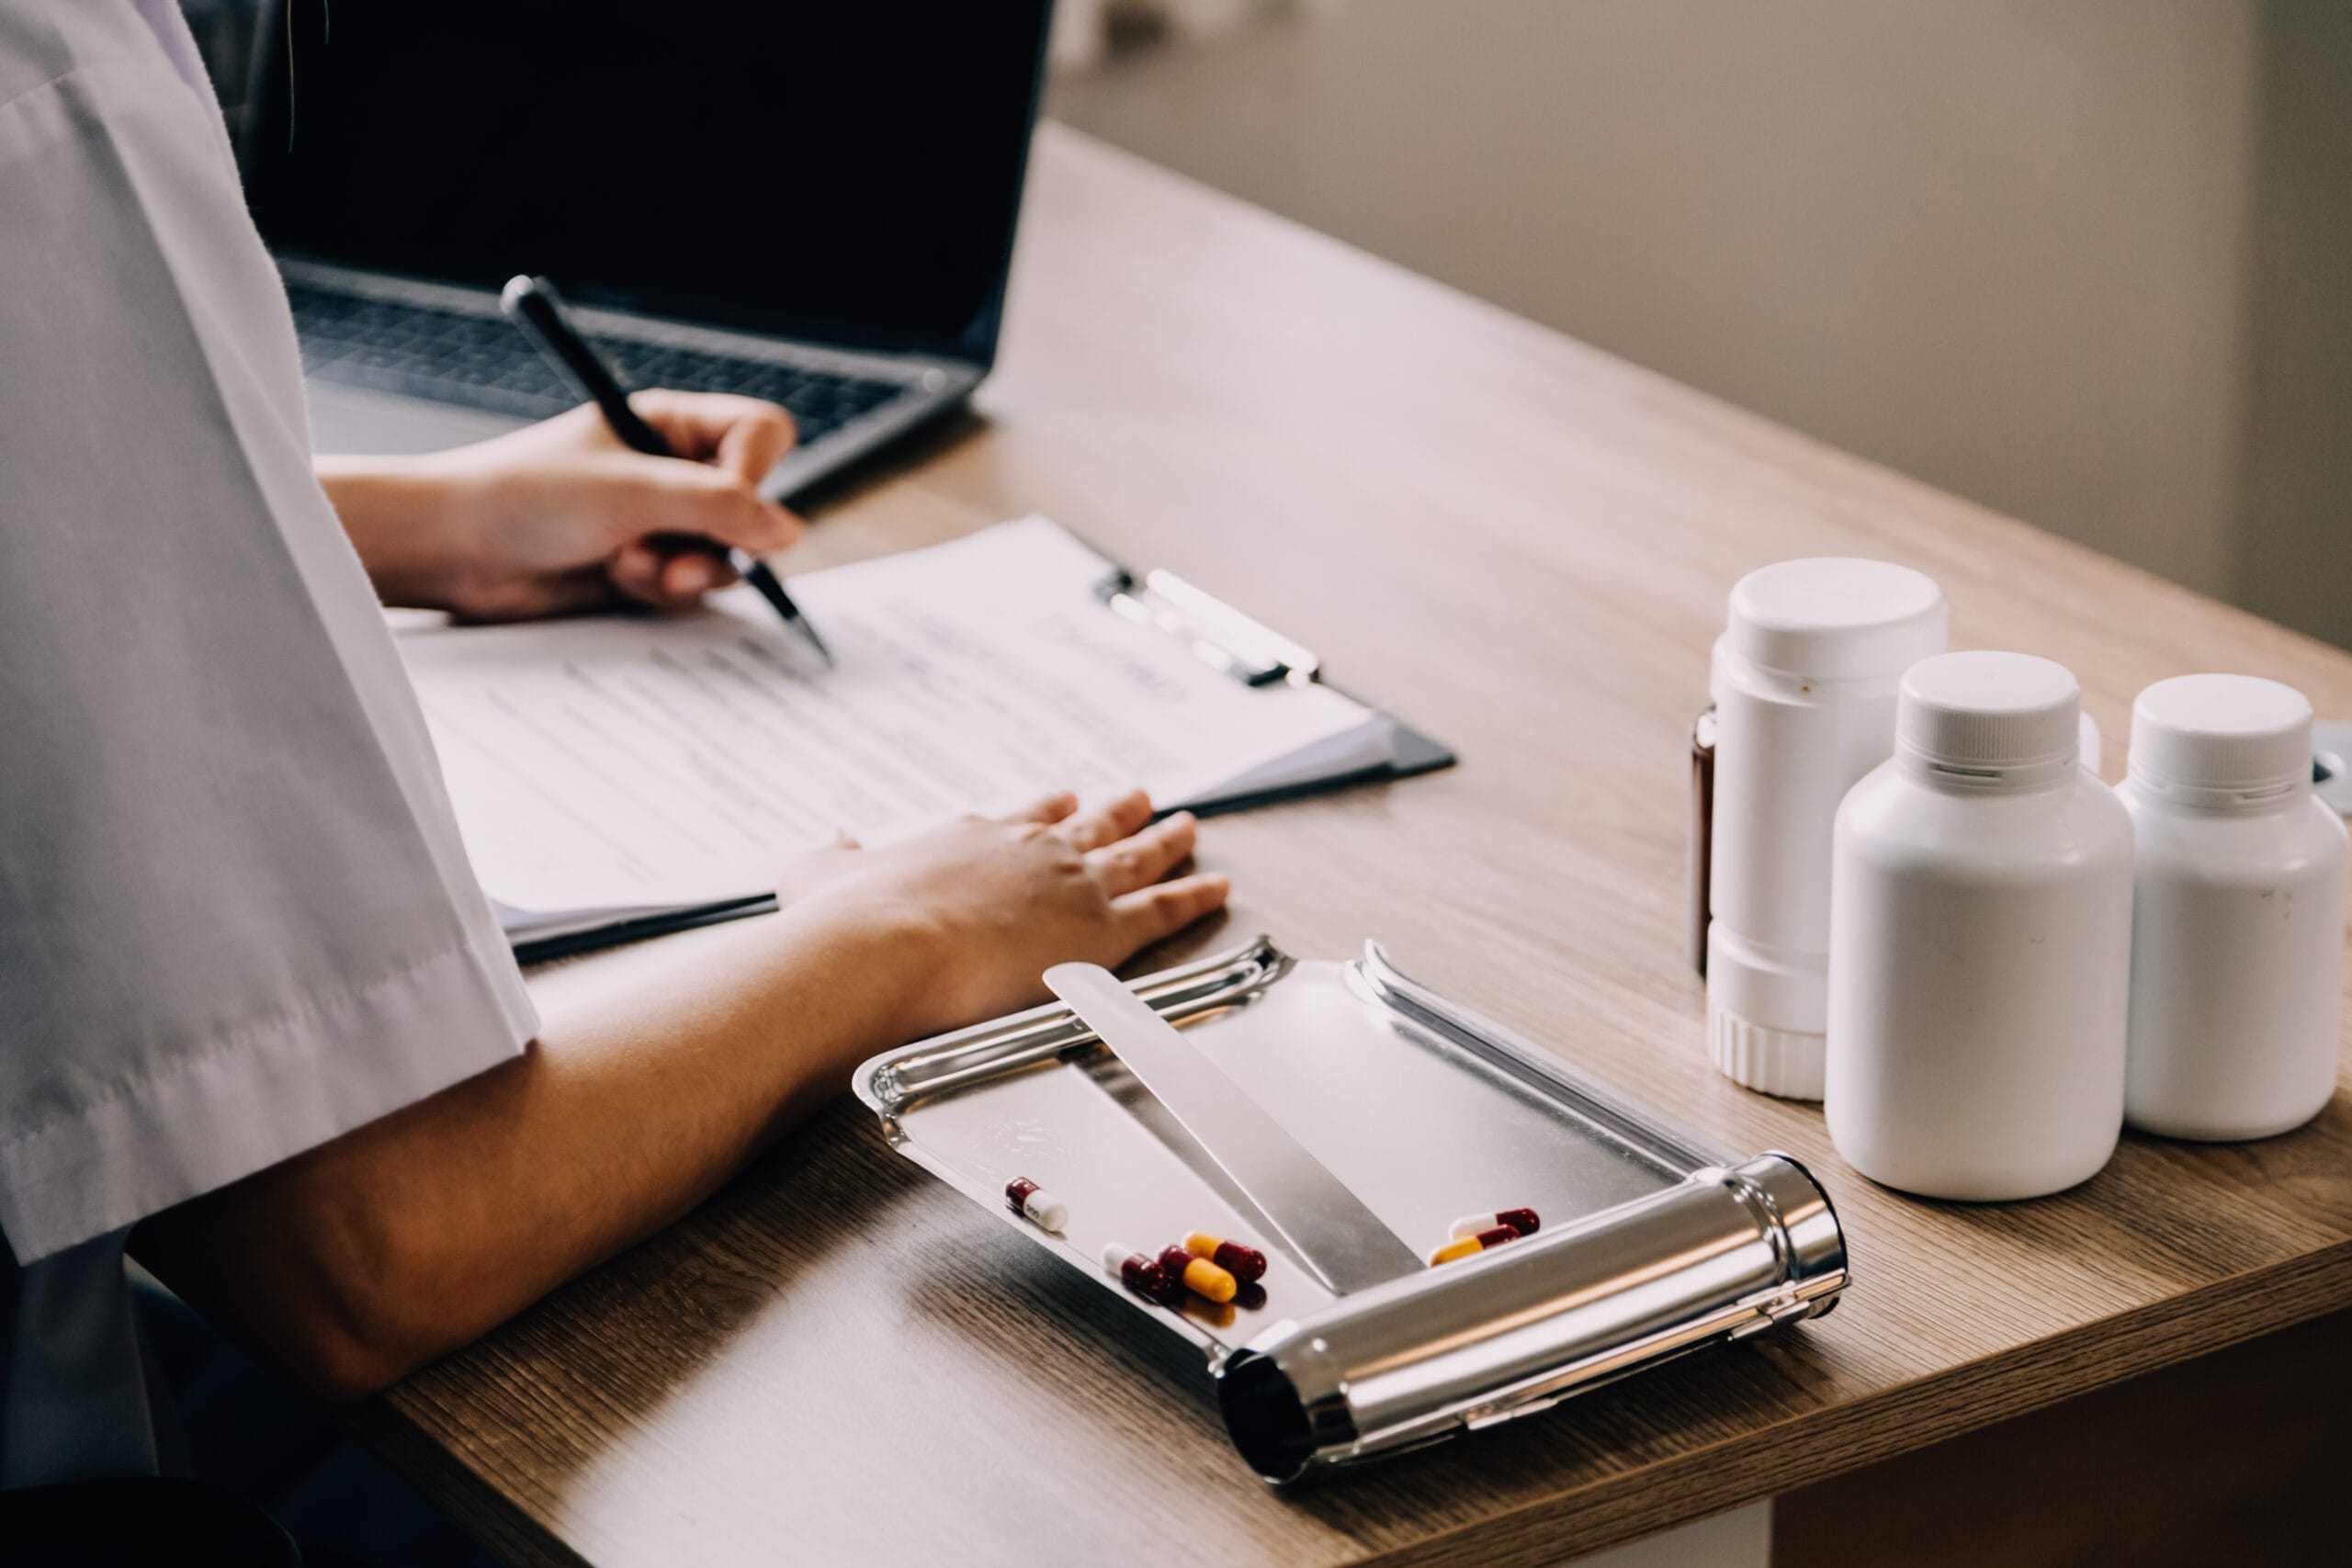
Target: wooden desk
x,y
1524,545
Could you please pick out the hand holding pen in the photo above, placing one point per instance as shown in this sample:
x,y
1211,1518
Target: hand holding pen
x,y
533,305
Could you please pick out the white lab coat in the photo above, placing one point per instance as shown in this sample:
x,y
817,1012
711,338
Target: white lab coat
x,y
235,917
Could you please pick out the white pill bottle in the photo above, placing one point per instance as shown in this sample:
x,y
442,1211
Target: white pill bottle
x,y
1803,684
1980,943
2238,915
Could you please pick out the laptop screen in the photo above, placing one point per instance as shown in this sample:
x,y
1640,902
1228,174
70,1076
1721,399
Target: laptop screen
x,y
847,171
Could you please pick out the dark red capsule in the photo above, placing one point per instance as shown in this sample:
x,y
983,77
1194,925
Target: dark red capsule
x,y
1497,1237
1136,1271
1523,1221
1244,1263
1017,1190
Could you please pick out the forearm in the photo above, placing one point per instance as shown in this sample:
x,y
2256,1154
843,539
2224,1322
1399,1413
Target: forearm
x,y
351,1265
396,510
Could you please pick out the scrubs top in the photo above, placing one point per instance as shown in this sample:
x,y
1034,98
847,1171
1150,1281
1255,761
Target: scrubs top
x,y
235,917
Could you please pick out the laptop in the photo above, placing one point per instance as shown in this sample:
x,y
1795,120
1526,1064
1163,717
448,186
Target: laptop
x,y
808,203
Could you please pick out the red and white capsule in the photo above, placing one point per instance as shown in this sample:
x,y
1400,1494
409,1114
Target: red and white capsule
x,y
1136,1271
1521,1222
1033,1203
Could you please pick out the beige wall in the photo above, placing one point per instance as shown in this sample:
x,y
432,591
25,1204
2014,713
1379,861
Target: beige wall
x,y
2295,473
2007,246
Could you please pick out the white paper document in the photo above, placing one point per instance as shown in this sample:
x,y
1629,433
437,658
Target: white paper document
x,y
610,762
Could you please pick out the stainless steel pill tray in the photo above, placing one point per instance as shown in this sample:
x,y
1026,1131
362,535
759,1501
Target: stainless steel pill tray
x,y
1654,1242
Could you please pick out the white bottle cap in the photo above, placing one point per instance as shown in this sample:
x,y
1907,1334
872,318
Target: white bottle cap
x,y
2239,735
1989,712
1833,618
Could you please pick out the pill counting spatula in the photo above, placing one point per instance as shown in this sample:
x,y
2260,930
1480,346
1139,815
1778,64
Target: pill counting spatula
x,y
1301,1204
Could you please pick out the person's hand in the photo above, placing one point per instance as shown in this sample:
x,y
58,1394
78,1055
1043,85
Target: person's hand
x,y
560,515
993,904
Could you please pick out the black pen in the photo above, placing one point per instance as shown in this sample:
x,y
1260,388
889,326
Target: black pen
x,y
532,304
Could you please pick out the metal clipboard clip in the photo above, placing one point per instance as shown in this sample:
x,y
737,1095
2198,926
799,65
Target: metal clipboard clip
x,y
1218,635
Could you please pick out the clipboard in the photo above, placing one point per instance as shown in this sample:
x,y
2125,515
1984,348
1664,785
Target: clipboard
x,y
1236,645
619,933
1254,654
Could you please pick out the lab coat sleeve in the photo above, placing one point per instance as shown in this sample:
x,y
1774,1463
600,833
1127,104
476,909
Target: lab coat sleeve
x,y
235,917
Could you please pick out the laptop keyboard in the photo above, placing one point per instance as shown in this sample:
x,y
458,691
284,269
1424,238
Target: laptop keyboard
x,y
392,345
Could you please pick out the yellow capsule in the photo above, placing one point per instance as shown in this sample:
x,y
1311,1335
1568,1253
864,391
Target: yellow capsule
x,y
1199,1275
1454,1249
1462,1246
1244,1263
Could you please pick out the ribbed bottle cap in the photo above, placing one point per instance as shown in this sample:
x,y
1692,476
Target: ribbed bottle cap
x,y
2226,732
1988,710
1833,618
